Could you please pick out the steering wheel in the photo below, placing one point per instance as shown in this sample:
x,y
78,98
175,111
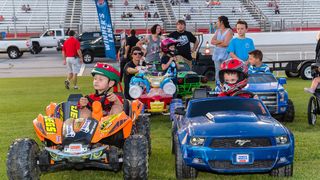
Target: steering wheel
x,y
251,95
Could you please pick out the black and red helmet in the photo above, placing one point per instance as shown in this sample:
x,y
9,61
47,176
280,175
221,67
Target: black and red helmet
x,y
233,65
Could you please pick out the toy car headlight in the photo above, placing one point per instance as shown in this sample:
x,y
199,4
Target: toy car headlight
x,y
169,88
281,95
197,141
135,91
280,140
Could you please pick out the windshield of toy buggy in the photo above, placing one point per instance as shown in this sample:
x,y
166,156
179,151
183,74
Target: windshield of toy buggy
x,y
202,107
261,78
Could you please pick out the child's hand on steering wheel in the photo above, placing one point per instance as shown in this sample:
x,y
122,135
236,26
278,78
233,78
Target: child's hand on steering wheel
x,y
112,97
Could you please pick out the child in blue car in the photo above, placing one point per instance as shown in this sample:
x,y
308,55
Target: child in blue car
x,y
255,63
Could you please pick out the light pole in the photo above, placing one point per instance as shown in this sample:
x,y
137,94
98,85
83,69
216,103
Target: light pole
x,y
302,11
48,14
14,19
179,8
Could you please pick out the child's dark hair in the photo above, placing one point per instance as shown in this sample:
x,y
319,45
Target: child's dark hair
x,y
242,22
256,54
154,29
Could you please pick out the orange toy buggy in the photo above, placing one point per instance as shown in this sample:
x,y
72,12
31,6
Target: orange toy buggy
x,y
108,142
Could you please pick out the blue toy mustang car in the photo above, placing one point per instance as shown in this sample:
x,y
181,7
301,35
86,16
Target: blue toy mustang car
x,y
230,135
273,95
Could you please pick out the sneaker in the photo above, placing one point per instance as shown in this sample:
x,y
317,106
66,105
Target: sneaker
x,y
67,84
75,87
309,90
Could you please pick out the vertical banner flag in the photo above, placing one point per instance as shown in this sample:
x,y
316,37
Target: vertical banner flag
x,y
106,28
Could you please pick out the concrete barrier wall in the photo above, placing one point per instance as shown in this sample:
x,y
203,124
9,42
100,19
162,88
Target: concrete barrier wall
x,y
277,38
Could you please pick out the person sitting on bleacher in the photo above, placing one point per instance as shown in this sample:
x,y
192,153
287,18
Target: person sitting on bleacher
x,y
255,63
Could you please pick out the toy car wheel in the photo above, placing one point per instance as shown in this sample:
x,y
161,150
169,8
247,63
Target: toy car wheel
x,y
173,148
312,110
22,160
305,72
135,158
292,74
210,75
285,171
289,115
87,57
182,170
143,128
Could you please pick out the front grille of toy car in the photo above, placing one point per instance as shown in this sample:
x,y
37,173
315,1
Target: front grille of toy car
x,y
229,165
269,99
192,78
236,142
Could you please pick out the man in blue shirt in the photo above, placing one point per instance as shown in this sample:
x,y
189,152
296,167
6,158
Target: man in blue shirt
x,y
240,46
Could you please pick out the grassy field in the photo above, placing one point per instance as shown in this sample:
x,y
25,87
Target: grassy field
x,y
22,99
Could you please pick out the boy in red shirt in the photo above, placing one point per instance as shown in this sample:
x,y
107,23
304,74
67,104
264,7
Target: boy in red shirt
x,y
104,78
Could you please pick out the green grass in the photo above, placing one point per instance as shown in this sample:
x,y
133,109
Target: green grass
x,y
22,99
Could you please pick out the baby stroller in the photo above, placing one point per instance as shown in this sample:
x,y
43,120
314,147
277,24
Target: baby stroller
x,y
314,101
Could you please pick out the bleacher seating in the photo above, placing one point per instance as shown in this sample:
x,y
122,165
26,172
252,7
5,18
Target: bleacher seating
x,y
291,12
90,17
34,20
201,16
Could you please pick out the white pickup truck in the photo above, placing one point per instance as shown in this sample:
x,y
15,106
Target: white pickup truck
x,y
15,47
47,39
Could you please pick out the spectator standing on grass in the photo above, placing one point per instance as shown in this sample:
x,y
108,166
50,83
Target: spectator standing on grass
x,y
131,41
239,47
184,38
221,40
72,57
153,44
121,52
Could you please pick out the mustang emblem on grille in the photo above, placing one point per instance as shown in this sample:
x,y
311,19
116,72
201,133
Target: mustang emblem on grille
x,y
241,142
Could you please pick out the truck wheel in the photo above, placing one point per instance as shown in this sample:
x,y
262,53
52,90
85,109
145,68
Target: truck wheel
x,y
285,171
13,53
20,54
36,48
143,127
210,75
135,158
22,160
305,72
182,170
87,57
312,110
289,115
292,74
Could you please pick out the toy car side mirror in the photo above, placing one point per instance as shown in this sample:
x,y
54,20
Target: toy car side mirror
x,y
282,81
180,111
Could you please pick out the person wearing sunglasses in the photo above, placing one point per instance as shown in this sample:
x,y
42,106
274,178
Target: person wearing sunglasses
x,y
131,68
